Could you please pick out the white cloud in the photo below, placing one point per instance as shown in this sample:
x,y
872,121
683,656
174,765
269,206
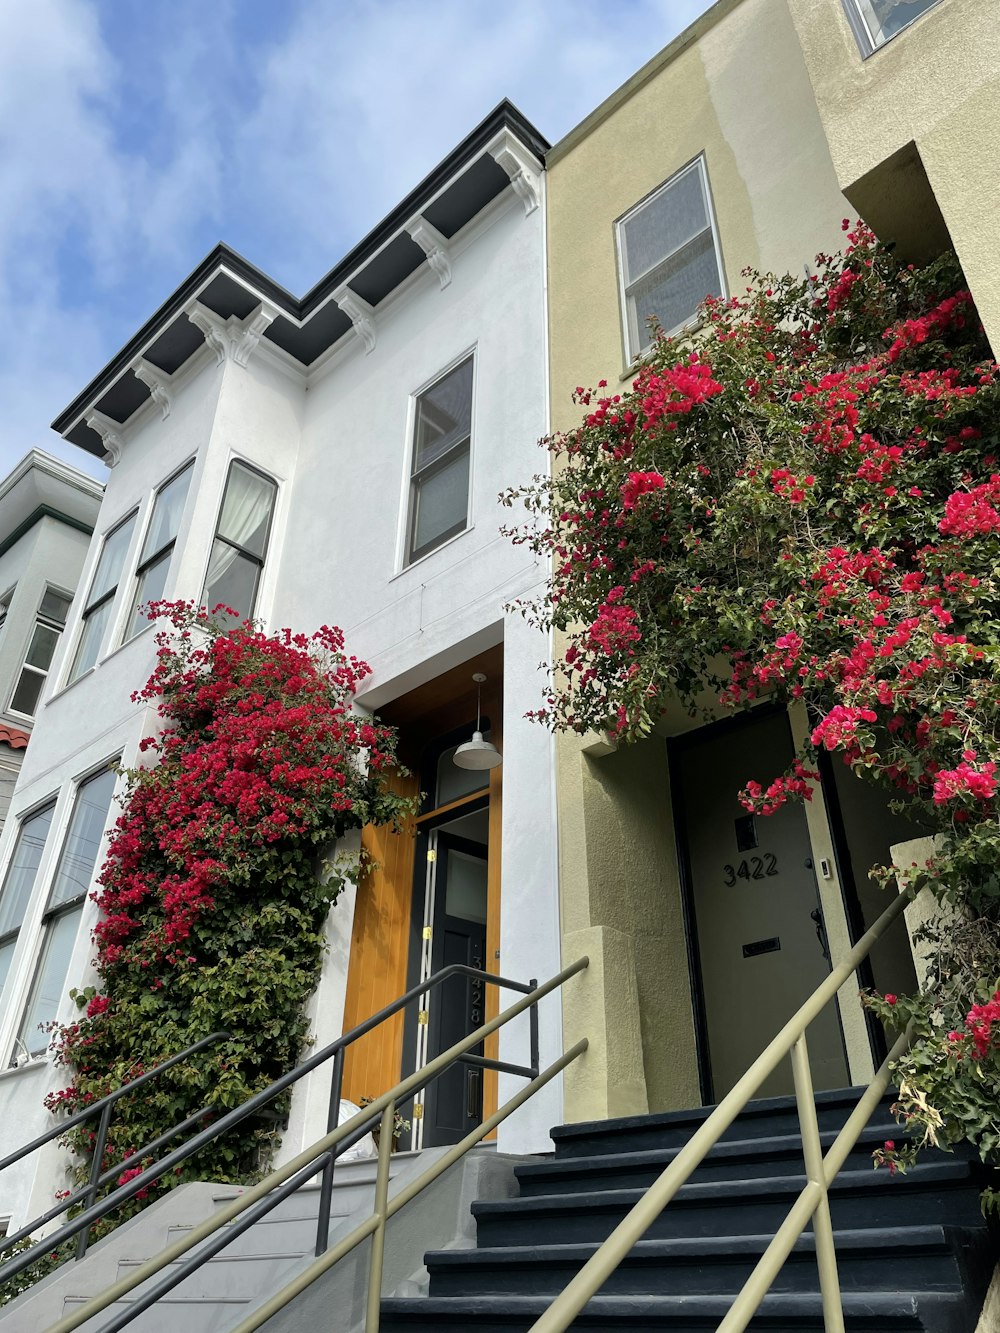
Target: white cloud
x,y
127,150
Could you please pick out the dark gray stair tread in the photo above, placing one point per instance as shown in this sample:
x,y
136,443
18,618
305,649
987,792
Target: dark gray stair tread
x,y
874,1312
735,1150
900,1240
832,1108
733,1193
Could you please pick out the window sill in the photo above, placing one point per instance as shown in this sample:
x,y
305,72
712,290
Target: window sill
x,y
36,1062
71,685
431,554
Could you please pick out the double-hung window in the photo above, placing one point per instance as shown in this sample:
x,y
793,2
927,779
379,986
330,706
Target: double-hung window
x,y
49,622
439,472
20,881
240,544
61,920
668,257
876,21
101,598
154,559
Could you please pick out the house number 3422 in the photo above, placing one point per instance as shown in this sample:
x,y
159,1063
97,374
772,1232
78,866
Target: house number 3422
x,y
754,867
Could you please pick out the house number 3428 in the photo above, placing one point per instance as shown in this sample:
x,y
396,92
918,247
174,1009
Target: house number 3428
x,y
754,867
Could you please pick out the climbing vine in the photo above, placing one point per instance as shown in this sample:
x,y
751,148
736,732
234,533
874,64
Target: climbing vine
x,y
217,885
802,503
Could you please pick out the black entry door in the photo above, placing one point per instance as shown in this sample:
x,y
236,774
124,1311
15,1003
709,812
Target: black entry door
x,y
454,1102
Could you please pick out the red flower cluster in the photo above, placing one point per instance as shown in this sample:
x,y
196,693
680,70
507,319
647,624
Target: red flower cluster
x,y
640,483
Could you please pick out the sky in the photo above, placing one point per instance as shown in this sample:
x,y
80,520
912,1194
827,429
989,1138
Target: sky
x,y
136,134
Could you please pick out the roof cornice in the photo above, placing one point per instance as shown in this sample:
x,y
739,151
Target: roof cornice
x,y
225,266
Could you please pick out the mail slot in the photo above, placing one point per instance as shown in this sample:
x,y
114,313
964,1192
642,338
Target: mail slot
x,y
762,946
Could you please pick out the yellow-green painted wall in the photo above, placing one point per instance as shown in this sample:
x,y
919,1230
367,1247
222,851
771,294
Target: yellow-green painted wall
x,y
735,88
936,85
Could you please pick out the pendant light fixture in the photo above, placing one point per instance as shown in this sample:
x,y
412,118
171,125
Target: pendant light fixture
x,y
477,753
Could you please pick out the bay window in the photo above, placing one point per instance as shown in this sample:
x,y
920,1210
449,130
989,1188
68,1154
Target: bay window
x,y
240,544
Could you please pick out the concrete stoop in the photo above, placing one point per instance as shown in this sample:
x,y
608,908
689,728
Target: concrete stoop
x,y
256,1264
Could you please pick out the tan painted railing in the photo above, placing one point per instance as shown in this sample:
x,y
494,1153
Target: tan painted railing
x,y
256,1201
813,1202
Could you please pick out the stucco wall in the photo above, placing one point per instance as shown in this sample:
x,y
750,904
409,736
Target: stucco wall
x,y
936,85
736,89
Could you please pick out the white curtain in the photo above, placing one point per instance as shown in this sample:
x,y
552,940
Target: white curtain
x,y
245,509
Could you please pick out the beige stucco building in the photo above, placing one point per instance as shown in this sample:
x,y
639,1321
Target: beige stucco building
x,y
743,144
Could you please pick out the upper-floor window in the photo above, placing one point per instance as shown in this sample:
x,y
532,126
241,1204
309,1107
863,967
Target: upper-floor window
x,y
875,21
64,908
20,881
668,256
240,543
439,472
49,622
101,598
154,558
5,602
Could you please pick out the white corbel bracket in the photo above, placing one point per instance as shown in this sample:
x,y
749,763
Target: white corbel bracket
x,y
157,381
434,246
109,431
360,313
232,339
244,344
524,172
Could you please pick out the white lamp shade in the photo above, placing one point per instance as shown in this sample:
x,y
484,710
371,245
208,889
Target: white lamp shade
x,y
478,753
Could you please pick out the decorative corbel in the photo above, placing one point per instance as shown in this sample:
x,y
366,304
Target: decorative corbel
x,y
109,431
520,166
434,246
157,381
244,341
211,327
360,313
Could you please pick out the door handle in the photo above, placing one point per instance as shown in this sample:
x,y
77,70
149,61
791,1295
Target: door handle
x,y
817,917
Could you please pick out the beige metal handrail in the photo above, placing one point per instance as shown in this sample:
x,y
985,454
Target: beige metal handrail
x,y
812,1202
307,1164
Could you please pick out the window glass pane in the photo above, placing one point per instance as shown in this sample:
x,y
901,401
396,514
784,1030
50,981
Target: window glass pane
x,y
6,954
152,581
440,504
90,641
42,646
83,838
669,220
465,894
232,580
50,979
246,509
885,18
21,872
452,781
444,416
674,291
109,567
167,510
26,696
55,606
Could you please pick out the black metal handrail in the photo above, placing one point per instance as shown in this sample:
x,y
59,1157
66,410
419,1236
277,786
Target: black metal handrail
x,y
103,1108
335,1050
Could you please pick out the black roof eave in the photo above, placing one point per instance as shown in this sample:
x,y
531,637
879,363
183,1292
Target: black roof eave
x,y
505,116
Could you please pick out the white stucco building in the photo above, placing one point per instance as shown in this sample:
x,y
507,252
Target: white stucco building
x,y
334,459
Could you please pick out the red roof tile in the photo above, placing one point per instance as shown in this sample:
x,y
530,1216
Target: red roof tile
x,y
15,738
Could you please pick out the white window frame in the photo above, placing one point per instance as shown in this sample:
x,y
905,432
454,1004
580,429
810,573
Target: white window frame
x,y
47,622
89,606
51,913
698,164
407,556
165,551
861,26
261,560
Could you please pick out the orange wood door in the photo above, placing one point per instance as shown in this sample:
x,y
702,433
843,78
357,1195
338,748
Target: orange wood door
x,y
376,973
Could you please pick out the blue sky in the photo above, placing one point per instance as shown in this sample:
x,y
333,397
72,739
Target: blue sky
x,y
135,134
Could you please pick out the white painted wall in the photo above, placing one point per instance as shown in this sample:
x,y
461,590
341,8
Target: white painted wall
x,y
337,442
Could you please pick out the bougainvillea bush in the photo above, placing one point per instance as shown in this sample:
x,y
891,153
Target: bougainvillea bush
x,y
802,502
214,895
